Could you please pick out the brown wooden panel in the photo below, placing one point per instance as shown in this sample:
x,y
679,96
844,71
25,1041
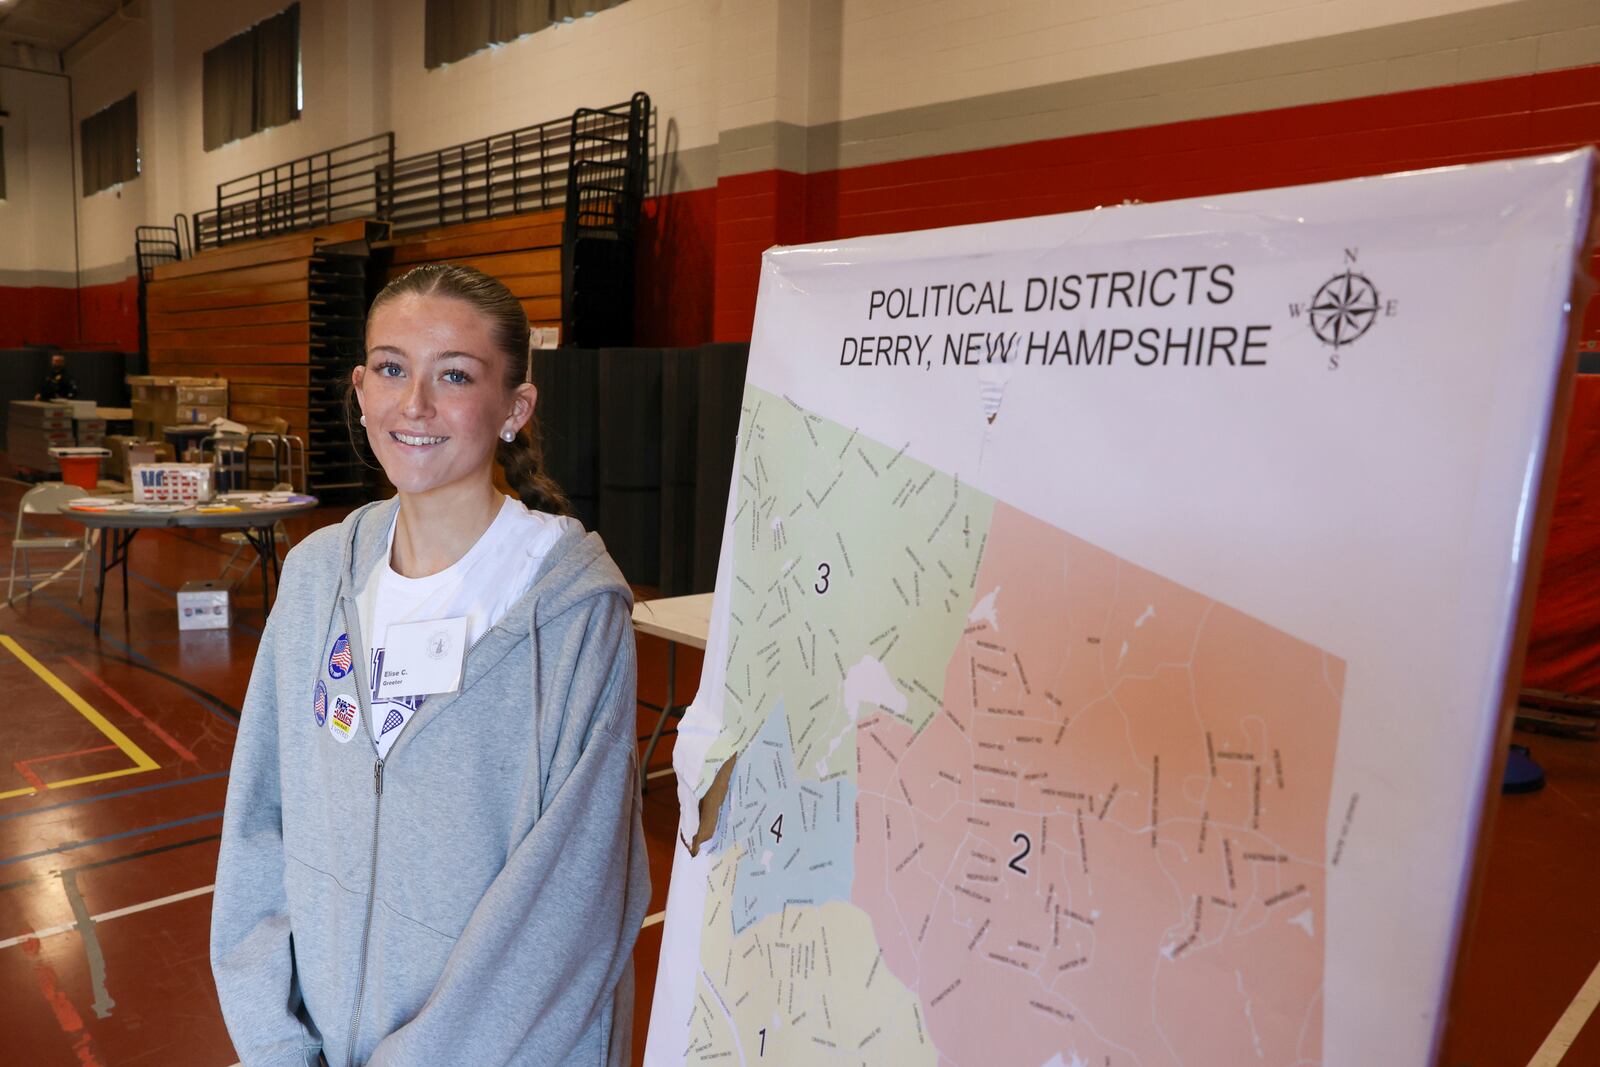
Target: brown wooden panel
x,y
253,315
410,254
222,357
233,256
233,336
537,261
239,297
533,286
277,395
522,286
279,374
288,270
542,307
473,229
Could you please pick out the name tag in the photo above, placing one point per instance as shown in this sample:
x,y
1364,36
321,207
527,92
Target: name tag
x,y
421,658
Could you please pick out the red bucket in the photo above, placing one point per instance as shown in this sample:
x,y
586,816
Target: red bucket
x,y
82,471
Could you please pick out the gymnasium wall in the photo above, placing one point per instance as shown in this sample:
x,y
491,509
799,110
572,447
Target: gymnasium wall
x,y
792,120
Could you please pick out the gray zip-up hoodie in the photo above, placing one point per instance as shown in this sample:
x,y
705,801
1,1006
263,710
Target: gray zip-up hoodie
x,y
474,897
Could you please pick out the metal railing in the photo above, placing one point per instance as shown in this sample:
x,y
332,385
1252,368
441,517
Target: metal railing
x,y
526,169
324,187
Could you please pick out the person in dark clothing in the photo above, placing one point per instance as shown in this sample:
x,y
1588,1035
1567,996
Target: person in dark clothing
x,y
58,384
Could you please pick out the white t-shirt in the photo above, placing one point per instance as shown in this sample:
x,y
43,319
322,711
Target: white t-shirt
x,y
481,585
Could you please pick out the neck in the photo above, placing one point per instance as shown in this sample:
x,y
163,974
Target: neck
x,y
435,529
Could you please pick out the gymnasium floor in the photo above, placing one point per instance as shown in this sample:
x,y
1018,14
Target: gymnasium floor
x,y
113,768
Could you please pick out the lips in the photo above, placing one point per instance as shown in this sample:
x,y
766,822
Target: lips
x,y
416,440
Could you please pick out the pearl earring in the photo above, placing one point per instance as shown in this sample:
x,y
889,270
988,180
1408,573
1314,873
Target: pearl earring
x,y
363,420
508,436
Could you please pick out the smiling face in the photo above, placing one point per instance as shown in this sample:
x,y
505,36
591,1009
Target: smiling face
x,y
434,394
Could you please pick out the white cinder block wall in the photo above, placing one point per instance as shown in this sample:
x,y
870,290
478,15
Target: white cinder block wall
x,y
36,214
726,74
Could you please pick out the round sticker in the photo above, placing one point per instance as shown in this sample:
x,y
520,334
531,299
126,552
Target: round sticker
x,y
339,658
319,704
345,718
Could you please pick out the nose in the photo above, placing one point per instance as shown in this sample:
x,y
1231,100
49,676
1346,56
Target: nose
x,y
419,399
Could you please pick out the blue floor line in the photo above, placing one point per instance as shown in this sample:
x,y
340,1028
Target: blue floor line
x,y
113,796
71,845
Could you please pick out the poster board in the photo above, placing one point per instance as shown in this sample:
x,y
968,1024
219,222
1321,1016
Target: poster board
x,y
1113,626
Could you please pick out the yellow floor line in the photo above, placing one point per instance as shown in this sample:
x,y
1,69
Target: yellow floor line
x,y
141,760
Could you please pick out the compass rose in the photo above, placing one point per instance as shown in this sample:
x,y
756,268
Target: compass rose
x,y
1344,308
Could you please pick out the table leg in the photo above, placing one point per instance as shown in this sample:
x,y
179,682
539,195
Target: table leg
x,y
100,586
265,544
666,712
114,544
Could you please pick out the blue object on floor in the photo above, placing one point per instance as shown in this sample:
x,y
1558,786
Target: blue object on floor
x,y
1522,774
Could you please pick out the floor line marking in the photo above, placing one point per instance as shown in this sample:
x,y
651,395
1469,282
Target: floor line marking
x,y
1566,1030
153,787
103,1002
662,773
126,857
208,701
106,916
142,762
651,920
127,705
69,846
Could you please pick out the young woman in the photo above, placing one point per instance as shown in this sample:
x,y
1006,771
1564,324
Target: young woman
x,y
431,852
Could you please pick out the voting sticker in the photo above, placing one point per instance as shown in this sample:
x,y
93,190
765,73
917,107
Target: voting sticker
x,y
420,658
339,658
344,718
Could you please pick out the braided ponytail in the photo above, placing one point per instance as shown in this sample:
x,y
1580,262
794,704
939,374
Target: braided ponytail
x,y
522,458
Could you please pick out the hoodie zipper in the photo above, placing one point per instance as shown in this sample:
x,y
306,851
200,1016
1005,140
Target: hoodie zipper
x,y
354,626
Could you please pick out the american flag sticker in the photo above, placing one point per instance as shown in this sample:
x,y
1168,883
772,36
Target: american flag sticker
x,y
339,658
319,704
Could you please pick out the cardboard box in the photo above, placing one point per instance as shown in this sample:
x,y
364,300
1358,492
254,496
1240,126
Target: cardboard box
x,y
203,605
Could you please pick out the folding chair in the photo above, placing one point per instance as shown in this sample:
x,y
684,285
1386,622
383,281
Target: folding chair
x,y
241,544
45,499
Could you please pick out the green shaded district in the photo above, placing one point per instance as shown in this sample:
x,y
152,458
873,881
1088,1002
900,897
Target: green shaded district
x,y
853,571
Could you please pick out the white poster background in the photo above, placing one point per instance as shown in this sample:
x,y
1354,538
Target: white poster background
x,y
1380,510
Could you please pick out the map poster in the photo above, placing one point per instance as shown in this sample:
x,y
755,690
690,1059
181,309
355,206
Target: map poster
x,y
1113,627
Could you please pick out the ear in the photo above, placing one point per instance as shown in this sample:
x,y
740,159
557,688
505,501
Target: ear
x,y
356,377
523,399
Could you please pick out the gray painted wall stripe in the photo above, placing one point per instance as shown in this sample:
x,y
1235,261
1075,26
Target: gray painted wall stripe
x,y
1503,41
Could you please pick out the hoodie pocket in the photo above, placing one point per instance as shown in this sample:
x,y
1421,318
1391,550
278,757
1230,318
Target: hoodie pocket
x,y
325,921
407,961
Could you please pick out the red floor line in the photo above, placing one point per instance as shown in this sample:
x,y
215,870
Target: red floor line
x,y
67,1016
168,739
28,775
63,755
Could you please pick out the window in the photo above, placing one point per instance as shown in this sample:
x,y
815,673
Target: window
x,y
454,29
251,81
110,142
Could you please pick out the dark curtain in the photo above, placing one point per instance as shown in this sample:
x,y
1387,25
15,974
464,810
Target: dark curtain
x,y
277,67
454,29
576,9
227,91
110,143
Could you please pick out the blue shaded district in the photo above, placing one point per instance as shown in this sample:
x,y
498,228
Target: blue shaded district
x,y
808,857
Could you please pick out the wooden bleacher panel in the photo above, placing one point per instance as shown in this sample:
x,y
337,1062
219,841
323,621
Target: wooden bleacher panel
x,y
523,251
261,314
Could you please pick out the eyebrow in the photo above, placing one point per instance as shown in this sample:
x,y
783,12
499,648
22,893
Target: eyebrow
x,y
452,354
